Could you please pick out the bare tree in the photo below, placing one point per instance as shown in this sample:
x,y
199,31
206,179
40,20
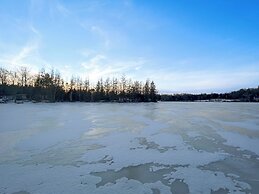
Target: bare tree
x,y
24,74
123,84
3,76
107,86
115,85
86,85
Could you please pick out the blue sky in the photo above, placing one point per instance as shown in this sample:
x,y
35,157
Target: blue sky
x,y
184,46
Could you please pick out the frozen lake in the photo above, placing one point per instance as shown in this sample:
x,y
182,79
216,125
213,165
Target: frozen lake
x,y
129,148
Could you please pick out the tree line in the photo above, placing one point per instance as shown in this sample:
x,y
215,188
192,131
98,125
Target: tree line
x,y
51,87
242,95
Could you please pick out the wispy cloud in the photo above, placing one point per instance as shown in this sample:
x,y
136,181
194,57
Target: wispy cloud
x,y
102,34
62,9
36,7
34,30
27,55
100,65
24,53
86,52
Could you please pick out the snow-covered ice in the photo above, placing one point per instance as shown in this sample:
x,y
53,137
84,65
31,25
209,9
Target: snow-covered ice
x,y
129,148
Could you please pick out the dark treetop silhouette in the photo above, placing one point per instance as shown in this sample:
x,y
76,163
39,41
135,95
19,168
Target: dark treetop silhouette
x,y
50,87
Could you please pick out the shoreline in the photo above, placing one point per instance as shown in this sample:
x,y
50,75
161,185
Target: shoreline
x,y
110,102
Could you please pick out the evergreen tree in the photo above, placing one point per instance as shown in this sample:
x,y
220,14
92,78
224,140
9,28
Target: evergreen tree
x,y
153,92
146,91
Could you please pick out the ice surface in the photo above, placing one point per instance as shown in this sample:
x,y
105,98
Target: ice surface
x,y
241,141
203,181
142,147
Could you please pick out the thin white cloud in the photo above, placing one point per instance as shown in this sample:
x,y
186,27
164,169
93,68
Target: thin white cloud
x,y
34,30
24,53
28,56
102,34
107,36
62,9
101,66
87,52
18,58
36,6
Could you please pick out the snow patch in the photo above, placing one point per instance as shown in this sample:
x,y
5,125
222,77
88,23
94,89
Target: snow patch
x,y
203,181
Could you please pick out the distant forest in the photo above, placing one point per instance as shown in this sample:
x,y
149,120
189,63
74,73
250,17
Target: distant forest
x,y
51,87
242,95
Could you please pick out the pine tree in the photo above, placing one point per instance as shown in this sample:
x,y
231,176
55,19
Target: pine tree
x,y
146,91
153,92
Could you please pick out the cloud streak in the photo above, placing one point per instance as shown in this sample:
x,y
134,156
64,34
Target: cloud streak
x,y
99,66
62,9
102,34
27,55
